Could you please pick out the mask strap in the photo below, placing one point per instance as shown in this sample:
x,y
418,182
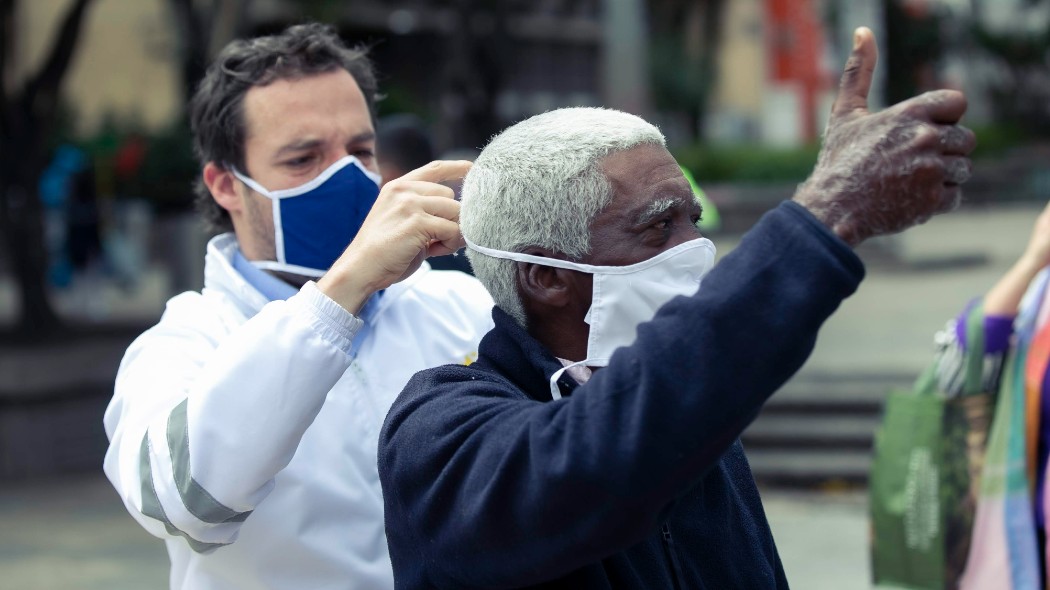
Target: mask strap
x,y
255,186
312,184
522,257
289,268
555,390
591,268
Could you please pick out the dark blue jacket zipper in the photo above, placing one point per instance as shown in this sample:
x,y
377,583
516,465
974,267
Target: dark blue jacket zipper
x,y
672,556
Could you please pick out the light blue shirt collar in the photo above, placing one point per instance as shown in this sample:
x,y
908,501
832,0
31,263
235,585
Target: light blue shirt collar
x,y
270,286
275,289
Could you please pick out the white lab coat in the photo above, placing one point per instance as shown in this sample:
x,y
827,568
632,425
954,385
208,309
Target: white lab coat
x,y
247,426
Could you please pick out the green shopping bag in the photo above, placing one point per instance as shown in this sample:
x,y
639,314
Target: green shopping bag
x,y
925,474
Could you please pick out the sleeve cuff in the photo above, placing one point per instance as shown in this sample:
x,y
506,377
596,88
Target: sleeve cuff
x,y
331,320
837,245
997,330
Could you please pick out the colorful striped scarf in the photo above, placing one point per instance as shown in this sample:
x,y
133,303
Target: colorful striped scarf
x,y
1003,550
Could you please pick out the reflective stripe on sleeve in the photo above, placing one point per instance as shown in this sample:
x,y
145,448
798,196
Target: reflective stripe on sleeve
x,y
152,508
197,500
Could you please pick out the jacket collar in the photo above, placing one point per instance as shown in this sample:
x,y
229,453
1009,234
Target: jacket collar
x,y
511,351
220,275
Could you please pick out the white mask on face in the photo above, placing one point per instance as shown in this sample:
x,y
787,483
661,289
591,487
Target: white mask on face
x,y
624,296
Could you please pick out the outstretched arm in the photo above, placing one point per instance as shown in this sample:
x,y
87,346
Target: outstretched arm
x,y
484,487
1004,298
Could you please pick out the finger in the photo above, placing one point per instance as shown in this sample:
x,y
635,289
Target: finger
x,y
419,187
441,207
958,141
941,106
856,77
443,234
441,249
957,170
440,171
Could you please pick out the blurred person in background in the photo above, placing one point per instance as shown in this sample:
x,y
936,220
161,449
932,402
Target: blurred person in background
x,y
1008,547
243,427
712,221
595,442
403,144
67,190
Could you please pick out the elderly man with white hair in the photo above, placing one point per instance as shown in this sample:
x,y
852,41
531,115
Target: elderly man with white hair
x,y
594,443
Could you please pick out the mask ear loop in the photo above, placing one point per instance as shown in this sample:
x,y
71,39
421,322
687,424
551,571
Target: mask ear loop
x,y
555,390
275,203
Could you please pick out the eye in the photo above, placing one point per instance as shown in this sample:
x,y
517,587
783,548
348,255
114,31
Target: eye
x,y
364,153
299,161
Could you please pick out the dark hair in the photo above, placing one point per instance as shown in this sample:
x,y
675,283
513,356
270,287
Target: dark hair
x,y
403,139
217,107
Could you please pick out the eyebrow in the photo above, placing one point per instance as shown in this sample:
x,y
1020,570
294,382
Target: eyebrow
x,y
306,144
657,208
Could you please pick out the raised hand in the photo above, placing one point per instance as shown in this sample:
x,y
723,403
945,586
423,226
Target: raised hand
x,y
1038,251
413,218
880,173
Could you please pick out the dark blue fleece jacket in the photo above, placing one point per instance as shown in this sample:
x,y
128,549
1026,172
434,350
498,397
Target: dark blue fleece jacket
x,y
635,479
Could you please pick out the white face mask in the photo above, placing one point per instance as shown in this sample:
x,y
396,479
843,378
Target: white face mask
x,y
624,296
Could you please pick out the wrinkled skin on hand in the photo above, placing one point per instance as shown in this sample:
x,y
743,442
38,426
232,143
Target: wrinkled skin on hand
x,y
880,173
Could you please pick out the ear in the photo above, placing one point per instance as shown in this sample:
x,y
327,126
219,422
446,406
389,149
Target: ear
x,y
546,286
222,185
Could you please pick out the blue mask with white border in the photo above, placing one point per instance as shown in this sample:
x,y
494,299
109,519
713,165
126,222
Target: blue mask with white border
x,y
314,223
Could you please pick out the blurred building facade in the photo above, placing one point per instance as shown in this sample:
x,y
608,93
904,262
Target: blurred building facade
x,y
123,69
474,66
779,67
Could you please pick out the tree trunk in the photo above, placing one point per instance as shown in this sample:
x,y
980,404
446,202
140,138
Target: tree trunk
x,y
25,125
23,236
713,11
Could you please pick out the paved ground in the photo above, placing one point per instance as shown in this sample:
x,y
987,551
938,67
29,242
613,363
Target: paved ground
x,y
73,533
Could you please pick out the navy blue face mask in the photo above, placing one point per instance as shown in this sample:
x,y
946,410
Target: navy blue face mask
x,y
313,223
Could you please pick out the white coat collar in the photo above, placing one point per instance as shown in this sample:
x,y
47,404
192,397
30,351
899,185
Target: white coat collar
x,y
219,274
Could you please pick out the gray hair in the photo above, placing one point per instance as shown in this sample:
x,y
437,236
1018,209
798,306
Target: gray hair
x,y
540,183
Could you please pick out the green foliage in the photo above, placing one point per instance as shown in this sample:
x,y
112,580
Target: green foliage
x,y
753,163
1016,48
169,169
748,163
678,82
164,172
1018,94
996,139
397,98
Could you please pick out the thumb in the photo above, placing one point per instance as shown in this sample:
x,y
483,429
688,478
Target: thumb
x,y
856,78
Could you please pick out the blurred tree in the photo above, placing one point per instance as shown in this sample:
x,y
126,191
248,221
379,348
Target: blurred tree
x,y
686,36
27,116
914,46
204,27
1020,93
474,71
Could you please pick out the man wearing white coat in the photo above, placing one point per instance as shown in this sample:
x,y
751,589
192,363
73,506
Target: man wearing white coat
x,y
244,425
